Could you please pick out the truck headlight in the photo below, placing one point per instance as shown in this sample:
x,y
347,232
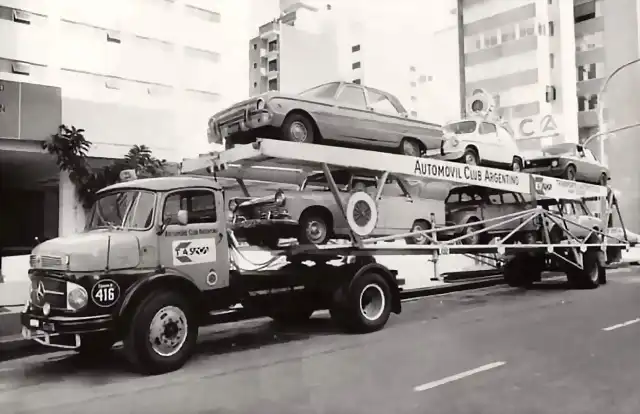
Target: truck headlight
x,y
280,198
77,296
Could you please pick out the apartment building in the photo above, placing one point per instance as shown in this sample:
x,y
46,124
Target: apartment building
x,y
127,71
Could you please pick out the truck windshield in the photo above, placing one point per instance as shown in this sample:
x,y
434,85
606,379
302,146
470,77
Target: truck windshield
x,y
131,209
464,127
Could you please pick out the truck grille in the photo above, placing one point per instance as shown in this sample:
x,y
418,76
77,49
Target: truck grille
x,y
48,290
46,262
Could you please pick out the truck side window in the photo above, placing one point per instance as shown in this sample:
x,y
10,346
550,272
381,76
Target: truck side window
x,y
200,204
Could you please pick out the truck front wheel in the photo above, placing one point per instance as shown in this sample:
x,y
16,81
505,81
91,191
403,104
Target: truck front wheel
x,y
162,333
365,306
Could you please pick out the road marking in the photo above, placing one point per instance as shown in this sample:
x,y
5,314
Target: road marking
x,y
433,384
621,325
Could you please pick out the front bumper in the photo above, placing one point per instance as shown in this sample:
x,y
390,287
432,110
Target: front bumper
x,y
245,121
546,170
451,155
62,331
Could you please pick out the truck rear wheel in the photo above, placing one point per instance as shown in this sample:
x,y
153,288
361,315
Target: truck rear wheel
x,y
593,273
365,305
162,333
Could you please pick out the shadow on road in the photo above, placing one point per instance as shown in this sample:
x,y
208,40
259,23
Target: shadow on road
x,y
105,368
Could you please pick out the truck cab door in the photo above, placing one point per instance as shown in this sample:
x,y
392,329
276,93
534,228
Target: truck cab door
x,y
196,248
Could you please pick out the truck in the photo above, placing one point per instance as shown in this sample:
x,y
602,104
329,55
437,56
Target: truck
x,y
156,261
158,258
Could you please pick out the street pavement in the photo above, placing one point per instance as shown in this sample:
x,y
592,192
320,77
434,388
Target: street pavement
x,y
496,350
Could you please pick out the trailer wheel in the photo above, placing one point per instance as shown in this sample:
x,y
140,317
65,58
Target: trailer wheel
x,y
366,306
162,333
593,272
315,228
419,225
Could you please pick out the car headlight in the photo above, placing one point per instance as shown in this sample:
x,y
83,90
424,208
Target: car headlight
x,y
554,163
280,198
233,205
77,297
260,104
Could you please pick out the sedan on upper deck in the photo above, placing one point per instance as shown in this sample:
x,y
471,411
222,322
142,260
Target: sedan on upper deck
x,y
344,113
570,161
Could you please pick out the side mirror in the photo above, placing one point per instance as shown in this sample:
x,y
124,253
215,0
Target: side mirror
x,y
183,217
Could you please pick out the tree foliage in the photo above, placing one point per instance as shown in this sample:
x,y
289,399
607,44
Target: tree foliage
x,y
70,148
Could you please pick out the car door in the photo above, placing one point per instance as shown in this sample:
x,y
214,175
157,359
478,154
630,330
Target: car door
x,y
489,145
389,123
507,146
590,168
351,115
197,249
494,208
397,210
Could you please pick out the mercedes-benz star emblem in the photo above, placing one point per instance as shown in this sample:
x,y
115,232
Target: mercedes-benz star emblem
x,y
40,292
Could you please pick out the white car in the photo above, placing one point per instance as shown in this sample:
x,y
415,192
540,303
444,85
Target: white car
x,y
480,142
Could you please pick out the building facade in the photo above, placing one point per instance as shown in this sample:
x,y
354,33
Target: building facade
x,y
146,72
547,60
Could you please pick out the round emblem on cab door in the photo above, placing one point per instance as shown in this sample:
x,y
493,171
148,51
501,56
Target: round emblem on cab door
x,y
362,213
105,293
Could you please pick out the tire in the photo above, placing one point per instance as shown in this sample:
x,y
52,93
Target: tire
x,y
604,180
410,147
298,128
516,164
570,173
161,306
315,228
365,306
95,344
471,157
417,226
592,274
470,229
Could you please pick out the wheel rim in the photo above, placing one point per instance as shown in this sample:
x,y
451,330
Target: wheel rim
x,y
316,230
410,149
571,174
299,131
419,238
470,159
372,302
168,331
361,213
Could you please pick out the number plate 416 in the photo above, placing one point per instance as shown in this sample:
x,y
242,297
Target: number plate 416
x,y
105,293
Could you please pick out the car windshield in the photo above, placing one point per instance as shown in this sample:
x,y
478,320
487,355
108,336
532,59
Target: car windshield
x,y
463,127
560,149
326,91
131,209
318,182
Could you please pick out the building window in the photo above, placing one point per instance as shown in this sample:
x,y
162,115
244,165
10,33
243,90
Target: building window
x,y
552,29
429,78
585,11
412,68
255,84
355,65
413,84
552,60
479,44
508,34
357,81
273,65
414,114
255,46
255,66
355,48
527,29
582,104
422,79
593,102
273,85
414,99
591,71
273,46
587,72
491,40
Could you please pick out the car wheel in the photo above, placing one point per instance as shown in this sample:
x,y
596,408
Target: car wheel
x,y
604,180
410,147
419,225
570,173
314,229
471,157
298,128
516,165
475,239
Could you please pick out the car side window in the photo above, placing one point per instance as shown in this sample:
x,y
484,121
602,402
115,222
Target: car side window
x,y
199,204
509,198
487,128
352,96
589,155
380,103
495,198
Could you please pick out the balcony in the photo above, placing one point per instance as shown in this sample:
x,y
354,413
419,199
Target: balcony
x,y
269,31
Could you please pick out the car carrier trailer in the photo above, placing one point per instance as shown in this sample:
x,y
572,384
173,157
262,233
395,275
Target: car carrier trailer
x,y
170,261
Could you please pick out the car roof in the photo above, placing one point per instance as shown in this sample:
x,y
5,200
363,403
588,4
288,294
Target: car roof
x,y
165,183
